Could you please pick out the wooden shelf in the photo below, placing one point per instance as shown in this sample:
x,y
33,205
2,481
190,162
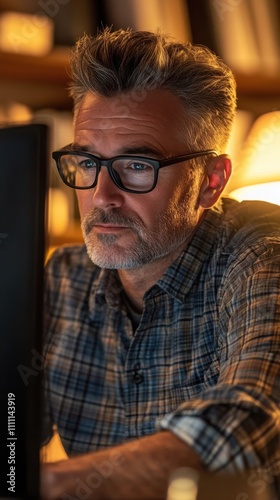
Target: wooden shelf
x,y
258,85
37,82
53,71
53,68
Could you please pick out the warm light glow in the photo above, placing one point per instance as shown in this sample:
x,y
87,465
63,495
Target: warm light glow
x,y
257,172
26,33
58,212
269,191
183,484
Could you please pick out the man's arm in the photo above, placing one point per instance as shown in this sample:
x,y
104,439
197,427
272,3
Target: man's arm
x,y
136,470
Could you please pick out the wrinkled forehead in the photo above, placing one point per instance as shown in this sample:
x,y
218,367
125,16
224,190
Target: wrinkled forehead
x,y
157,115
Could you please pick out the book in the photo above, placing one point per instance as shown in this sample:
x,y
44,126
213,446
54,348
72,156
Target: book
x,y
235,35
150,15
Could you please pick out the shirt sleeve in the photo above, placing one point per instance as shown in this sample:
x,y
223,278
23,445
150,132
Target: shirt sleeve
x,y
235,424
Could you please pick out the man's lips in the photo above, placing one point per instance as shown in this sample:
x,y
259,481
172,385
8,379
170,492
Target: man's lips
x,y
109,228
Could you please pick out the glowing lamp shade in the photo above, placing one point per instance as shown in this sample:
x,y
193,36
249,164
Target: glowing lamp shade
x,y
257,173
58,216
26,33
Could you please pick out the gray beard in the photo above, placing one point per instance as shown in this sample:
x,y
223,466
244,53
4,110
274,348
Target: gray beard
x,y
105,251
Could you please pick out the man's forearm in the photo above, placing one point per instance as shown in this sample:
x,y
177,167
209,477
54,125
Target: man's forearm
x,y
133,471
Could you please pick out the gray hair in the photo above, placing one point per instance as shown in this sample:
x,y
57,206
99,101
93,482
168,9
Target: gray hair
x,y
123,61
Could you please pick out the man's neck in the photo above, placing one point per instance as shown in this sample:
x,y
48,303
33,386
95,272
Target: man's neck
x,y
137,281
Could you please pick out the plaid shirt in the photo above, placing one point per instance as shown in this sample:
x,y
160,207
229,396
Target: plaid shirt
x,y
204,361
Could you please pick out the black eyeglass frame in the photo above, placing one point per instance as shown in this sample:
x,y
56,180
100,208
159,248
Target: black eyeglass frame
x,y
100,162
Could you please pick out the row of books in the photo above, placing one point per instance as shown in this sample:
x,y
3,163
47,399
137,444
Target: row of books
x,y
245,33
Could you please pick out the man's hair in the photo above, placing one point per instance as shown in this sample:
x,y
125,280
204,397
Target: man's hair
x,y
123,61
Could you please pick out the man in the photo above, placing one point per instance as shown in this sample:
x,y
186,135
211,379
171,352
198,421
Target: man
x,y
162,346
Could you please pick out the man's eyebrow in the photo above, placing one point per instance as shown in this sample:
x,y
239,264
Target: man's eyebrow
x,y
79,147
128,150
142,150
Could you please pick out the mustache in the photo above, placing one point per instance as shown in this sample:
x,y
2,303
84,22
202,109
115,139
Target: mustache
x,y
99,216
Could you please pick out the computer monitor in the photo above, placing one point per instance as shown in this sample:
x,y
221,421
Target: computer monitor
x,y
23,188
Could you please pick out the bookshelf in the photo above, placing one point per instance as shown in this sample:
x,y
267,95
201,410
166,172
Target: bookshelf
x,y
245,34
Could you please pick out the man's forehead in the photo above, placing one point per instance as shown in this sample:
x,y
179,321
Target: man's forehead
x,y
154,123
161,102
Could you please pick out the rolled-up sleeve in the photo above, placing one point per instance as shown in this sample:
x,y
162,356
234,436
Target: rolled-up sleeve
x,y
235,424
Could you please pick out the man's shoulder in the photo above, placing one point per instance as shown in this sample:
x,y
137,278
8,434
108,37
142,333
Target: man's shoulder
x,y
250,210
251,221
251,237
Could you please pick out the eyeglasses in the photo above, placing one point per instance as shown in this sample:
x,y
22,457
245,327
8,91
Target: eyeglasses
x,y
133,174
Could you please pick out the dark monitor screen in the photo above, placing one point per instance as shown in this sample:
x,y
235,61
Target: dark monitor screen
x,y
23,187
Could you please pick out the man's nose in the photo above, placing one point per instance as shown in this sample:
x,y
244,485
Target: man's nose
x,y
106,193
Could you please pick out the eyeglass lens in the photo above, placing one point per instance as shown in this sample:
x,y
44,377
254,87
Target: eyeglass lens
x,y
133,173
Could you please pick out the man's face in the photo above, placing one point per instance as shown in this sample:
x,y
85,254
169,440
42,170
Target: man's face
x,y
125,230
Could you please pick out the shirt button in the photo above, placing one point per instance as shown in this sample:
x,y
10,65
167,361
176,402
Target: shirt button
x,y
137,377
100,300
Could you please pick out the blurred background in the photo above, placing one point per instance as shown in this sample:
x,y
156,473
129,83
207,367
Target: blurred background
x,y
35,39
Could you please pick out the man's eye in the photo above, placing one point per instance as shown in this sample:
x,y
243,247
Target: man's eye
x,y
87,164
138,166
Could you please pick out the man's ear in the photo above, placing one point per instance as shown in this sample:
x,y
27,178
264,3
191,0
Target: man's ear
x,y
217,174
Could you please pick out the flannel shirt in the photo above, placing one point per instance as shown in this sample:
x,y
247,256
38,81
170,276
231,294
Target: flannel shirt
x,y
203,363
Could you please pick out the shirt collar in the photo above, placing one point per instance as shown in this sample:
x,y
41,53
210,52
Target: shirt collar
x,y
183,272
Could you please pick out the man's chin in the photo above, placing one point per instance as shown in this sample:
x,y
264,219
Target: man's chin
x,y
117,257
110,256
112,263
